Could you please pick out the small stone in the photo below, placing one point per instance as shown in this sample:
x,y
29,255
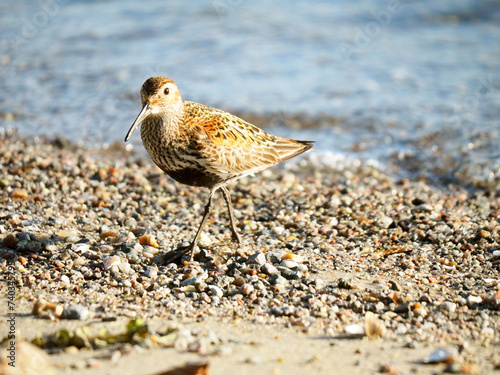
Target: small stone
x,y
79,261
148,240
10,241
302,268
448,306
19,194
216,291
419,310
345,284
246,289
254,360
395,286
354,329
107,234
423,207
289,264
425,298
224,350
441,355
64,281
239,281
278,230
404,308
124,267
453,368
75,312
389,368
67,233
483,234
152,272
385,221
275,256
257,258
269,269
277,279
473,300
287,273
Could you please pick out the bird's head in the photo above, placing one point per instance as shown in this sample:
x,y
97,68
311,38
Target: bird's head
x,y
158,95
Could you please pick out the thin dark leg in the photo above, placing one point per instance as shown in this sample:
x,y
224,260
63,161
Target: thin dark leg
x,y
227,198
208,208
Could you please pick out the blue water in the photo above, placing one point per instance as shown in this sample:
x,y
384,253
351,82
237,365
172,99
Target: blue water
x,y
414,83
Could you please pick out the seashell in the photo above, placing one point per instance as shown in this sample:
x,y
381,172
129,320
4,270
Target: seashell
x,y
109,262
374,327
354,329
41,305
81,247
294,257
441,355
148,240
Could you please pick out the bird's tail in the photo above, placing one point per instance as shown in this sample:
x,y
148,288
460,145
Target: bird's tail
x,y
288,148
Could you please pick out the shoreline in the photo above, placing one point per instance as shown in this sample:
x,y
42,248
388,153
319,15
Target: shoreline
x,y
336,244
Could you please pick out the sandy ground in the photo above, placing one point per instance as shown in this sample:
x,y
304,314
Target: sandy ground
x,y
423,259
251,348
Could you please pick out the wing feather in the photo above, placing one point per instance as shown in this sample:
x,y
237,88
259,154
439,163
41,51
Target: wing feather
x,y
231,145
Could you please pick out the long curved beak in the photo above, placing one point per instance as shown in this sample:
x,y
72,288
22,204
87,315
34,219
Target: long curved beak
x,y
146,110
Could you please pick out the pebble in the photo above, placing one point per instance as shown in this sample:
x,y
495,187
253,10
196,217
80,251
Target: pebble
x,y
254,360
448,306
287,273
148,240
269,269
473,300
277,279
64,281
19,194
395,286
421,258
124,267
442,355
246,289
289,264
68,233
216,291
75,312
354,329
257,258
10,241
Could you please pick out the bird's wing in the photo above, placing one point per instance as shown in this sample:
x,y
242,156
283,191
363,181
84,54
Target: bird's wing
x,y
235,146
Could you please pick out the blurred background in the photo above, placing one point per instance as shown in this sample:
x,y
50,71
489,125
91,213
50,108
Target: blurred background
x,y
412,86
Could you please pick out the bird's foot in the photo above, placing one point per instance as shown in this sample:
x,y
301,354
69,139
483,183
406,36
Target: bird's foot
x,y
235,237
175,256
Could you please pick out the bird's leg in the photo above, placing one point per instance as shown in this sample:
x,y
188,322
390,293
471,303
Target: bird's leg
x,y
227,198
208,208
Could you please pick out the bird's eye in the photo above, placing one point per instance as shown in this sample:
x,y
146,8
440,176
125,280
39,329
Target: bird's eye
x,y
166,91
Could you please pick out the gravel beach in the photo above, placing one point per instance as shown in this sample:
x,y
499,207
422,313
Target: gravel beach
x,y
342,268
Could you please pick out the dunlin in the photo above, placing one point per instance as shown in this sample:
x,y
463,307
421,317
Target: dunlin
x,y
203,146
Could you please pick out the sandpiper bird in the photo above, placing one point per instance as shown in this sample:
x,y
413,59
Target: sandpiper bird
x,y
203,146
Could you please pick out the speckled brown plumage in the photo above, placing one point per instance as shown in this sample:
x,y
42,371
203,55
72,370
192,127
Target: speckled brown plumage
x,y
203,146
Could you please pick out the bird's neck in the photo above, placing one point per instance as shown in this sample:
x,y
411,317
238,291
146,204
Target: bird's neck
x,y
171,119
